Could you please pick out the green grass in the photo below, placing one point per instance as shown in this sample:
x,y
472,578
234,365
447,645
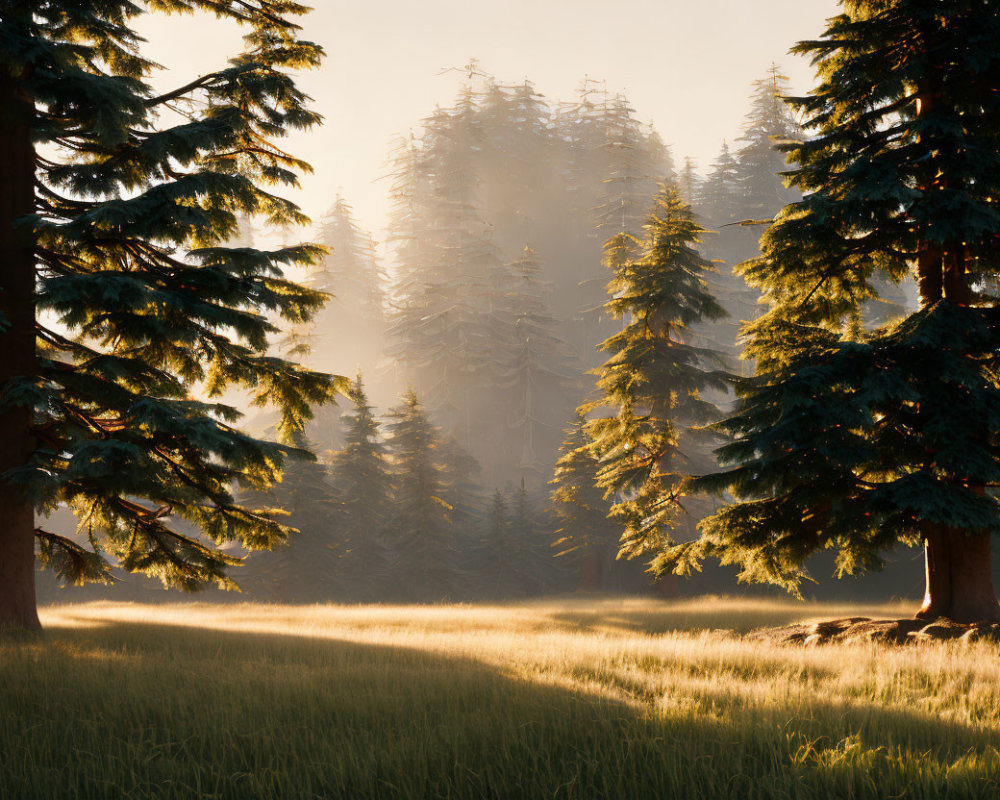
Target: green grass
x,y
608,698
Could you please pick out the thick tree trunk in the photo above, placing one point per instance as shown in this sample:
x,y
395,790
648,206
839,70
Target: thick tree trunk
x,y
958,570
937,573
17,346
959,577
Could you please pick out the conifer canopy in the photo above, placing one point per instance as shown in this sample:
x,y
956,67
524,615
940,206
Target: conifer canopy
x,y
859,439
126,318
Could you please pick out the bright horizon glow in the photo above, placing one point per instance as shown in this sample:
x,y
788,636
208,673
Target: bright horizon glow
x,y
685,67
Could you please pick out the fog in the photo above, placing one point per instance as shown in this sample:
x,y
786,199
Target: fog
x,y
472,165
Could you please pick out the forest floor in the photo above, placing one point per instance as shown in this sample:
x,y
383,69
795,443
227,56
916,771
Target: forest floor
x,y
569,698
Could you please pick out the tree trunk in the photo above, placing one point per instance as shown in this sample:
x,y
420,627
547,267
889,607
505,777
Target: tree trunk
x,y
17,345
959,581
959,577
590,570
937,572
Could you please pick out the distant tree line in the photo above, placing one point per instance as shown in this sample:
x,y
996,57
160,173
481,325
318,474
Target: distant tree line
x,y
397,514
511,216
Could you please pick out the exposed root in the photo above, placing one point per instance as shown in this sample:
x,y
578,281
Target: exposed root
x,y
885,631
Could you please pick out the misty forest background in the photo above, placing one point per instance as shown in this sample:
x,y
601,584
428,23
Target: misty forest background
x,y
474,329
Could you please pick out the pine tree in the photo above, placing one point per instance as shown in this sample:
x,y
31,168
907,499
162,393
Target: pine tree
x,y
462,493
585,534
540,571
421,533
350,270
350,331
496,172
613,166
854,439
538,377
689,183
654,377
721,207
520,165
719,200
503,552
362,482
303,568
628,176
763,191
119,296
445,326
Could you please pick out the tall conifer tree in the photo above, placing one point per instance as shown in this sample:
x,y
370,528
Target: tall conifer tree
x,y
654,376
119,296
421,532
304,567
539,372
362,486
769,124
860,440
585,534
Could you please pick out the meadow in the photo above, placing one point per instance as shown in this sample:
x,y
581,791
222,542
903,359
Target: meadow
x,y
569,698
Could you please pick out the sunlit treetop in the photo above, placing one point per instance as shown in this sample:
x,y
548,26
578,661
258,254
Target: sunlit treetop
x,y
652,382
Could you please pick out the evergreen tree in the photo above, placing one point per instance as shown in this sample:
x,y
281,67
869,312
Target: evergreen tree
x,y
859,440
540,571
497,171
722,206
119,296
585,534
462,492
689,183
350,331
613,166
350,270
654,376
628,174
763,192
446,326
719,200
503,551
362,483
520,164
539,373
421,533
304,568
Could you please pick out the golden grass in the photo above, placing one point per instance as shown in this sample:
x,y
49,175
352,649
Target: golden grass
x,y
600,698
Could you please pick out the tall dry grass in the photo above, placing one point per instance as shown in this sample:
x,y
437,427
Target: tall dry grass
x,y
606,698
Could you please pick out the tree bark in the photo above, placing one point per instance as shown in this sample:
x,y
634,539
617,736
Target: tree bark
x,y
959,577
17,346
958,570
937,572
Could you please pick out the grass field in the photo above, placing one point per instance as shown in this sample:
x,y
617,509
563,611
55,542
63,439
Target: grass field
x,y
607,698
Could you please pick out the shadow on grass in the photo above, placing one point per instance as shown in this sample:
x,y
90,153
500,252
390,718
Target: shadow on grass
x,y
160,711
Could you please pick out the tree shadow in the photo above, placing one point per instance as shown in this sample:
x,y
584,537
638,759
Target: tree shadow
x,y
162,711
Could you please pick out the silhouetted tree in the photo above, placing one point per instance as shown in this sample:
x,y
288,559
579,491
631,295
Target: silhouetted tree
x,y
421,533
362,483
304,568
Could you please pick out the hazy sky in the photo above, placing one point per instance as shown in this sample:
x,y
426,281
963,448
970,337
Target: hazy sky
x,y
685,64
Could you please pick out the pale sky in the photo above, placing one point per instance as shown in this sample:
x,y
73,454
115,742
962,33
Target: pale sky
x,y
686,65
